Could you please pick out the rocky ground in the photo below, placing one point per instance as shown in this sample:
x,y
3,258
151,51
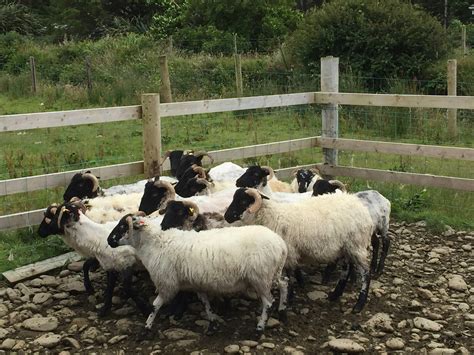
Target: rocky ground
x,y
422,303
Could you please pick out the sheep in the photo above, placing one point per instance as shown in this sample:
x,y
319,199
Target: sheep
x,y
86,185
227,171
207,262
321,230
323,186
181,160
155,198
90,240
304,180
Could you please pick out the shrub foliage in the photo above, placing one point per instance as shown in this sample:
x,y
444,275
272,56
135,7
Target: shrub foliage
x,y
378,38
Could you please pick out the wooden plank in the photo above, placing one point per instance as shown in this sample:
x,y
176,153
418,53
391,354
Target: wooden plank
x,y
39,182
237,104
427,101
400,177
25,121
398,148
28,271
263,149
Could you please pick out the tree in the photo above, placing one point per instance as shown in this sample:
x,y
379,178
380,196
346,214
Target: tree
x,y
374,37
15,17
457,9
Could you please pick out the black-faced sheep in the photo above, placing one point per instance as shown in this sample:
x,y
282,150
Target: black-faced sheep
x,y
304,180
320,230
222,261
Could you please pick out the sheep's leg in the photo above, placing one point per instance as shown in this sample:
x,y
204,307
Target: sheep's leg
x,y
283,289
299,277
375,253
157,303
385,247
141,303
210,314
364,273
341,285
91,263
109,291
267,301
330,267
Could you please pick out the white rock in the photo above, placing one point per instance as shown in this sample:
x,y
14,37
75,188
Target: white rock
x,y
395,343
117,338
346,345
8,344
317,295
456,282
3,310
232,349
41,324
42,297
49,340
72,286
292,351
249,343
426,324
3,333
13,294
268,345
442,351
272,323
380,321
178,333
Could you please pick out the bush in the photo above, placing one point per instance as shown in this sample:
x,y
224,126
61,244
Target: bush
x,y
376,38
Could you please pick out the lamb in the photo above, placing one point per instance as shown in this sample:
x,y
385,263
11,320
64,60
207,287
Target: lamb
x,y
320,230
304,180
90,240
207,262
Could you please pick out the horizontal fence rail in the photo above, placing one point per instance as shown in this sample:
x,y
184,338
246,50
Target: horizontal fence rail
x,y
434,151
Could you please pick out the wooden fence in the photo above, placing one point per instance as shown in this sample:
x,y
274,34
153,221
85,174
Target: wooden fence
x,y
151,111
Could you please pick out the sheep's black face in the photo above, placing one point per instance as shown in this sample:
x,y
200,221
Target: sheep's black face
x,y
120,230
66,213
80,187
190,188
152,198
175,158
240,202
322,187
185,163
49,225
176,213
304,177
253,177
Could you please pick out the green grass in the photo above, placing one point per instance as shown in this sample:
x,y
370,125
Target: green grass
x,y
59,149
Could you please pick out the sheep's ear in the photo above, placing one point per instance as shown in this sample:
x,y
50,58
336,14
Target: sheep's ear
x,y
162,211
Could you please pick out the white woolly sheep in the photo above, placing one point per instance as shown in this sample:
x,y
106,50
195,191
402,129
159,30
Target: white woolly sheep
x,y
320,230
89,239
219,261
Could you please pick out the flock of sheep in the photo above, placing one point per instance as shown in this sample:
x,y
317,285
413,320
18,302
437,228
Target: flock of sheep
x,y
222,231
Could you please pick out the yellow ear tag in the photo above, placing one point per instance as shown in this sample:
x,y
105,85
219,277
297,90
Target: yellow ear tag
x,y
191,210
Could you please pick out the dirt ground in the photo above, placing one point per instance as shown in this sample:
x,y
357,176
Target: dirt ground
x,y
422,303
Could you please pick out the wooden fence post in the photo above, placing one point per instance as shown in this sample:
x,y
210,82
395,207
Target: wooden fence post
x,y
463,39
452,90
165,89
238,69
151,134
33,75
330,114
89,74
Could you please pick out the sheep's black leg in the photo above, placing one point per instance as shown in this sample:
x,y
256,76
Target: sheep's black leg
x,y
330,267
383,255
109,291
375,253
291,288
299,277
364,273
341,285
141,302
91,263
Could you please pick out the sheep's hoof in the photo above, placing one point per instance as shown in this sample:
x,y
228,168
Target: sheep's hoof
x,y
212,328
333,296
357,308
259,332
283,316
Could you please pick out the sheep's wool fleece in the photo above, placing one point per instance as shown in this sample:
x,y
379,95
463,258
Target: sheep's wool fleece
x,y
90,240
219,261
318,229
227,171
112,208
280,186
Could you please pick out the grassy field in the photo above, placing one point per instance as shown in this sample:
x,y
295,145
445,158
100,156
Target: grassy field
x,y
42,151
